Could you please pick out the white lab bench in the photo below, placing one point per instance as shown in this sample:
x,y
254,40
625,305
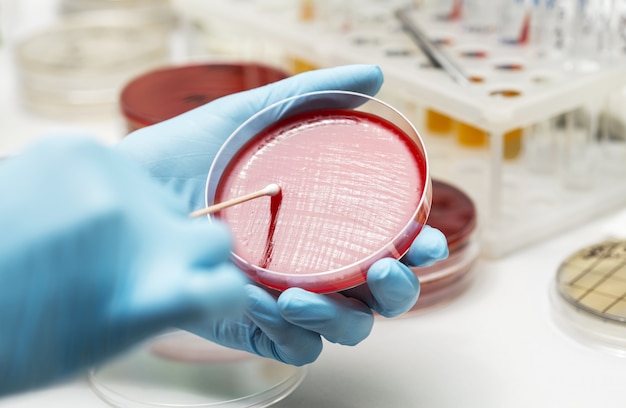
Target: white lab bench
x,y
497,345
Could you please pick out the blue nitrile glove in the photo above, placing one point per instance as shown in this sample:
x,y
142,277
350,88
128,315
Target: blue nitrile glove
x,y
179,152
95,256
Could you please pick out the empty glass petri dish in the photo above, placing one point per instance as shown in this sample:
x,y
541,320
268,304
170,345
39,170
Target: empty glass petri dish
x,y
179,369
453,213
78,66
590,296
166,92
158,14
355,187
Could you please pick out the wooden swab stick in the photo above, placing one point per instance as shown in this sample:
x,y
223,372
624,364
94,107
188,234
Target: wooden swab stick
x,y
269,190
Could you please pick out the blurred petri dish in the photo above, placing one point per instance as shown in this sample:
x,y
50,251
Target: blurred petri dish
x,y
169,91
590,295
78,66
179,369
355,187
72,6
157,12
453,212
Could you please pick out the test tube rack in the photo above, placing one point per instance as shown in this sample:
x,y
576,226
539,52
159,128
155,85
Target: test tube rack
x,y
565,173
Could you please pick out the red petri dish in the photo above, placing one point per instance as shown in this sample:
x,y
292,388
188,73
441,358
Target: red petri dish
x,y
167,92
354,185
453,213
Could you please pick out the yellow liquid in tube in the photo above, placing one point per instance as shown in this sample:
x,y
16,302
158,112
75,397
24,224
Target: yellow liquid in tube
x,y
470,136
438,123
512,144
300,65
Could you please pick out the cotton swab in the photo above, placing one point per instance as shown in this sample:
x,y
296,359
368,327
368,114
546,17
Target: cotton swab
x,y
269,190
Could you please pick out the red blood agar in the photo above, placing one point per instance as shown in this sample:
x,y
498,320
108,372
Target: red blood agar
x,y
167,92
352,192
454,214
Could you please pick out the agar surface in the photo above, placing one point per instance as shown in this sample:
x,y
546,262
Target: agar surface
x,y
350,183
594,279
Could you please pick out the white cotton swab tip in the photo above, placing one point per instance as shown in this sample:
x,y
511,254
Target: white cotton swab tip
x,y
269,190
272,189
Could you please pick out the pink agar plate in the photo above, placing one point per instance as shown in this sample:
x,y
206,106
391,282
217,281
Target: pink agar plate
x,y
355,188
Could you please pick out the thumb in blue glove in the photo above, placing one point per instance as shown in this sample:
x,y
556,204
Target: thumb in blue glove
x,y
95,256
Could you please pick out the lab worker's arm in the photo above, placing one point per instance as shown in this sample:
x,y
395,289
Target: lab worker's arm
x,y
94,257
289,327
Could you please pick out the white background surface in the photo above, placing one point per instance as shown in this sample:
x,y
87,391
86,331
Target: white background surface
x,y
497,345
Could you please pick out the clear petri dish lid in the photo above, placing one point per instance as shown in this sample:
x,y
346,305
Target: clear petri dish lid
x,y
93,45
71,104
179,369
166,92
77,67
355,187
147,13
589,295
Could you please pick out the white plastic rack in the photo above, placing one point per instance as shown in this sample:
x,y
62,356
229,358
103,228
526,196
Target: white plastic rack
x,y
548,162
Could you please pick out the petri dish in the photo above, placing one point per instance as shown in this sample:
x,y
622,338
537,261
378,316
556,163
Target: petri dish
x,y
179,369
73,6
78,66
166,92
590,296
453,212
355,187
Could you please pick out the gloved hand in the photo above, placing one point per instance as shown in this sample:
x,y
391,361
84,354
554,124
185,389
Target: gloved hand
x,y
289,327
95,256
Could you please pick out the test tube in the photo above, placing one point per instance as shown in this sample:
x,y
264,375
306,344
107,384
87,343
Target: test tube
x,y
612,134
540,147
538,27
512,146
2,23
590,32
550,27
515,22
471,136
618,28
438,123
578,148
447,10
307,10
481,16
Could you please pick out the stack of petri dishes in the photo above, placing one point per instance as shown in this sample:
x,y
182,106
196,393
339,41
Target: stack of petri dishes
x,y
76,68
163,93
453,212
